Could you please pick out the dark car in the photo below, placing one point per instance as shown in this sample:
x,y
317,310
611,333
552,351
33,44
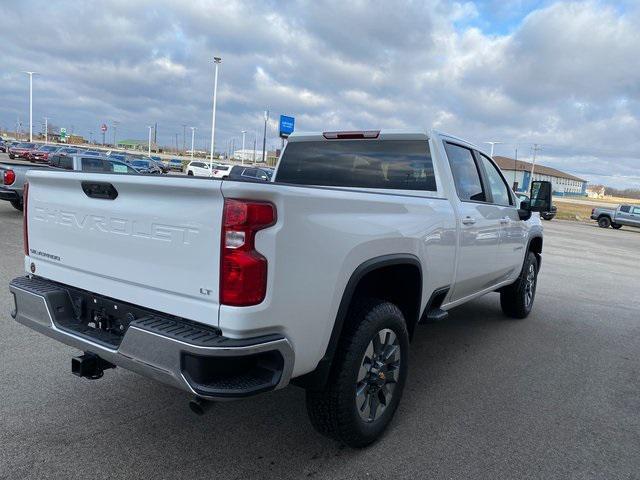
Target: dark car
x,y
68,150
145,166
164,168
3,146
21,149
175,164
248,173
41,154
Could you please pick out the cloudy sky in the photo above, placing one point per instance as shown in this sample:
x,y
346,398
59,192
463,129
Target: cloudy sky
x,y
565,75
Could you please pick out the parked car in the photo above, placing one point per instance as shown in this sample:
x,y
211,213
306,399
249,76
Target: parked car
x,y
198,168
41,154
145,166
550,215
20,149
164,168
3,146
618,217
385,230
239,172
68,150
13,175
12,178
175,164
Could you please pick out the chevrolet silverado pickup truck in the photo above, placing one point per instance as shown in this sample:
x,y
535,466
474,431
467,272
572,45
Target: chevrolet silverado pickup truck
x,y
227,289
616,218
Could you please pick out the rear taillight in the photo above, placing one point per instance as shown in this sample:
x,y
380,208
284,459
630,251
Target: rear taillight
x,y
25,227
9,177
243,270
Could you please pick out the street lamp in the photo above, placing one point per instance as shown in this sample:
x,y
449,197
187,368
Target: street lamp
x,y
30,104
242,155
193,133
46,130
264,138
492,145
149,127
216,62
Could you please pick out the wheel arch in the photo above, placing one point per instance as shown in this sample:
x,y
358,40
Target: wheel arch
x,y
406,292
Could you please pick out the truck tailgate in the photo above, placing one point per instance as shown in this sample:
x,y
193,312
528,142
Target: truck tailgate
x,y
157,244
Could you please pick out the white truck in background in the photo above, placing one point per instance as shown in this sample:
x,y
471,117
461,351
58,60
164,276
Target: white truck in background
x,y
227,289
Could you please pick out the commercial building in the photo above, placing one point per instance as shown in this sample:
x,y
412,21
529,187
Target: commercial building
x,y
518,173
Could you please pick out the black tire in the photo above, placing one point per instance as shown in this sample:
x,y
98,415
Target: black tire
x,y
17,204
190,173
616,226
360,365
604,222
12,156
517,299
548,217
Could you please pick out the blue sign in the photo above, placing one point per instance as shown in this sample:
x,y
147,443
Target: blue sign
x,y
286,125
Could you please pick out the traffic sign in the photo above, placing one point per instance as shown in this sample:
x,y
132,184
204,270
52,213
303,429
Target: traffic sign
x,y
286,125
63,134
103,127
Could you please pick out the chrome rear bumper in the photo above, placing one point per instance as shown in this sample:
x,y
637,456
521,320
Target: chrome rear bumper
x,y
178,354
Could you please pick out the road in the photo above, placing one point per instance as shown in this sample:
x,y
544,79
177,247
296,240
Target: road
x,y
554,396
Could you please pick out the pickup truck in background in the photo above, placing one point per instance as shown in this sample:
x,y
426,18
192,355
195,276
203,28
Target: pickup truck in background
x,y
14,174
616,218
318,278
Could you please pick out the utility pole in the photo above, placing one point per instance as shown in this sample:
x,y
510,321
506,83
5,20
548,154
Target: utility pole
x,y
264,138
193,133
46,130
255,145
149,148
515,168
114,125
244,132
536,148
184,134
30,104
216,61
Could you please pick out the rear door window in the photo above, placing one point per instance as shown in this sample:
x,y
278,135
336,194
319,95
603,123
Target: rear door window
x,y
625,209
497,185
388,164
465,173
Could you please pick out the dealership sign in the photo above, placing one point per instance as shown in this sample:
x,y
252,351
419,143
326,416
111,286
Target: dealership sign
x,y
286,125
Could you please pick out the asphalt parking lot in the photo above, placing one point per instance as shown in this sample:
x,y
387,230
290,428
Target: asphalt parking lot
x,y
554,396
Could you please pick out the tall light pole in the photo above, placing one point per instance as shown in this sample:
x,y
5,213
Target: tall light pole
x,y
184,134
244,132
30,104
193,136
264,138
46,130
216,62
114,124
492,145
149,127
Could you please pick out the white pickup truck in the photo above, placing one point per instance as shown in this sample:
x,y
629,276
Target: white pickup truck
x,y
319,278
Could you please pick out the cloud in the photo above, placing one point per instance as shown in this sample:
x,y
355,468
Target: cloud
x,y
561,74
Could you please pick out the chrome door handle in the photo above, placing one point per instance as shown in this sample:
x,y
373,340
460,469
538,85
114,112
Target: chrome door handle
x,y
468,221
505,220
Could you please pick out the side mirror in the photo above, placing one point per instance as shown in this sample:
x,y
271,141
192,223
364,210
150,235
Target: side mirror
x,y
540,198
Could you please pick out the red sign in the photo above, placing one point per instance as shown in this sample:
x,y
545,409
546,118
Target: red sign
x,y
103,127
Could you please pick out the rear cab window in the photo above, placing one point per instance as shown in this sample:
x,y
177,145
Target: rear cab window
x,y
376,164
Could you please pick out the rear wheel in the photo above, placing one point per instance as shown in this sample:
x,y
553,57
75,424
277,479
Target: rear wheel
x,y
516,300
617,226
367,377
12,156
604,222
190,173
17,204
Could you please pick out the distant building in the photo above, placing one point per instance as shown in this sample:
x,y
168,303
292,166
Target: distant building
x,y
133,144
518,174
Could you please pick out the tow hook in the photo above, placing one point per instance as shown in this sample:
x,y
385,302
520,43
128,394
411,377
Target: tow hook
x,y
89,365
200,406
